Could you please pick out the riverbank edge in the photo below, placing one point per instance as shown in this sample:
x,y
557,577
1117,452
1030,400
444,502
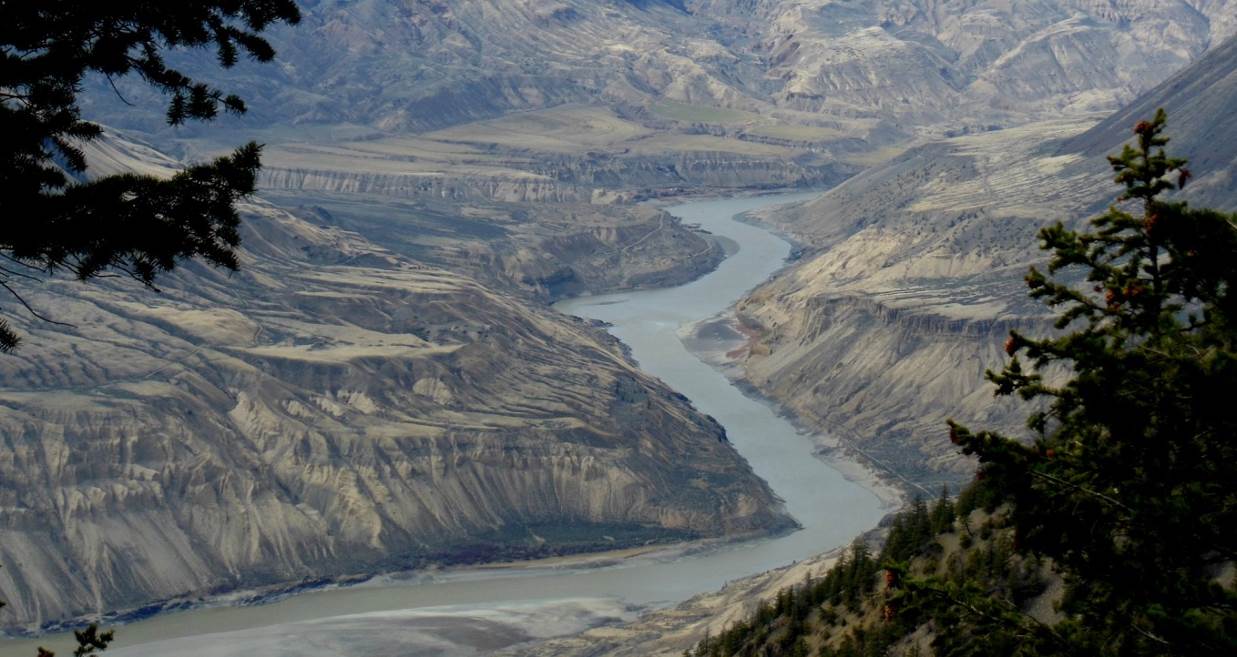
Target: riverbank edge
x,y
667,632
583,559
726,358
893,489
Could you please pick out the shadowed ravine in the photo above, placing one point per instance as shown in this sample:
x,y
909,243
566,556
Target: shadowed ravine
x,y
477,611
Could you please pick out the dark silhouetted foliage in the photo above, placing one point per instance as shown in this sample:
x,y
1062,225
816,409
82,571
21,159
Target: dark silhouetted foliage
x,y
55,218
137,225
1129,485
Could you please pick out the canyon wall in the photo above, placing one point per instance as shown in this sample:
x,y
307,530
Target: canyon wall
x,y
912,273
338,408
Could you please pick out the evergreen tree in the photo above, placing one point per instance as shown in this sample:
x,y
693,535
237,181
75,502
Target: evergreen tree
x,y
133,224
1128,484
943,515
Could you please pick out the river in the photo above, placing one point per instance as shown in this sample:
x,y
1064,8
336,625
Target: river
x,y
475,611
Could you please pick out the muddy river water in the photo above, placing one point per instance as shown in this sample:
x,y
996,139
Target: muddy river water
x,y
476,611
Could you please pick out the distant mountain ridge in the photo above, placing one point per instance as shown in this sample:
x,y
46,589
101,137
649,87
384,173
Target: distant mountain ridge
x,y
608,101
425,64
1197,99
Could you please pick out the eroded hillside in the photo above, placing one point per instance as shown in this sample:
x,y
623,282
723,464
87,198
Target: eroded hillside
x,y
336,408
382,384
915,273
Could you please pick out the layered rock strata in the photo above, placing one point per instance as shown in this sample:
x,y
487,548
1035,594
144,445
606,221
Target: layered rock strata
x,y
912,274
334,408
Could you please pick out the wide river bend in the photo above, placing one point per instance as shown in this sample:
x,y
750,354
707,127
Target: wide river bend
x,y
476,611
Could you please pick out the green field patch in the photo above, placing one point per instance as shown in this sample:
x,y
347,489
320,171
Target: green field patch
x,y
676,111
796,132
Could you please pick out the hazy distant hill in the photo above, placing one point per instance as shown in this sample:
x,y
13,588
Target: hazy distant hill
x,y
760,84
602,102
432,63
1201,101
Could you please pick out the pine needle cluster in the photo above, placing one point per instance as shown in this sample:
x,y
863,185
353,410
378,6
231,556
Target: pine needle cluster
x,y
56,219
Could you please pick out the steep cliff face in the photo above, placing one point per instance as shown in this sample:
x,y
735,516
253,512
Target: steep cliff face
x,y
569,154
334,408
913,276
912,284
511,188
542,253
592,178
881,379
